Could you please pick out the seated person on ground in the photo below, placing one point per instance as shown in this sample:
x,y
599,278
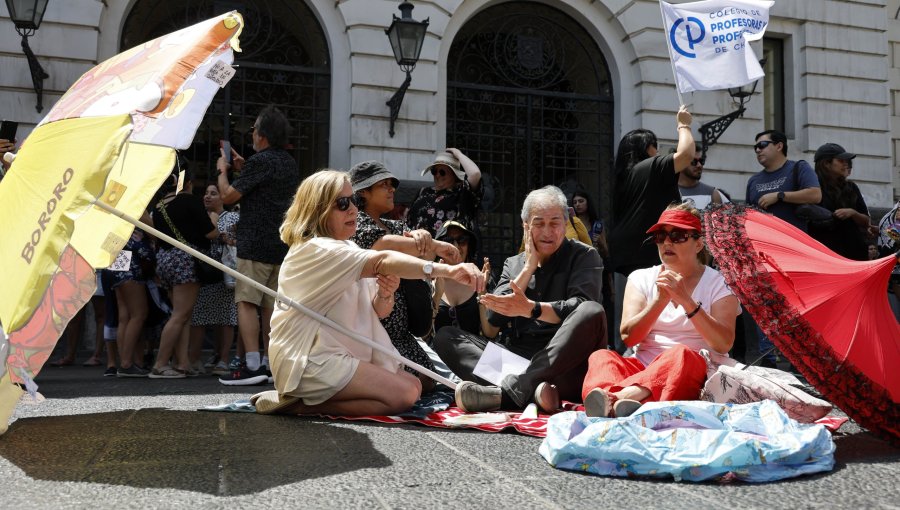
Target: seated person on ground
x,y
317,369
546,305
670,312
457,305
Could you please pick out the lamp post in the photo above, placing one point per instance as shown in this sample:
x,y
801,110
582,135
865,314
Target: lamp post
x,y
406,36
27,16
712,130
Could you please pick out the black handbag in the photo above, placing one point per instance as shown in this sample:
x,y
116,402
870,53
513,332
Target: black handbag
x,y
419,304
206,273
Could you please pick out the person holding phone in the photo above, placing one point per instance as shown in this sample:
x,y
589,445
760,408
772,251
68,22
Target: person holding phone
x,y
670,312
265,189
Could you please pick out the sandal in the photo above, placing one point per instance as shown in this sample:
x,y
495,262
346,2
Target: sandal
x,y
166,373
62,362
92,362
270,402
597,403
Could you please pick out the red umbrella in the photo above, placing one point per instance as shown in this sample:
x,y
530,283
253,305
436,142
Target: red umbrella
x,y
828,315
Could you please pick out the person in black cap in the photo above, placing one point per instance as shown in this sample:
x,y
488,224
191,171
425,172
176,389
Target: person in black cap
x,y
374,186
846,232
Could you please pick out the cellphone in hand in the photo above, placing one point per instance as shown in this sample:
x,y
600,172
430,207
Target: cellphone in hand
x,y
8,130
226,148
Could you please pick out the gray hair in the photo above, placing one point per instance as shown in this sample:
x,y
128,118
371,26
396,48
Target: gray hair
x,y
548,196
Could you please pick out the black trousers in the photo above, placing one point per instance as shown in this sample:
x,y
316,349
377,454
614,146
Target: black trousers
x,y
563,361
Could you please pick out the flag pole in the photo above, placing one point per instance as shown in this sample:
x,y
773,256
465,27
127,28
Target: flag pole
x,y
662,13
280,299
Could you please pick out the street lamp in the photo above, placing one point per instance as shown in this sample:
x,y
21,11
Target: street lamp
x,y
406,36
712,130
27,16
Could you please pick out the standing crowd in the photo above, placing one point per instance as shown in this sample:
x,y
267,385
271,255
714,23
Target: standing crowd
x,y
419,287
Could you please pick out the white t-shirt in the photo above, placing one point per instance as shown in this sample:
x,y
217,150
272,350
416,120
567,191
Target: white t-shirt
x,y
673,327
323,275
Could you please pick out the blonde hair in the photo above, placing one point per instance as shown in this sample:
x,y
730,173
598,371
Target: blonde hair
x,y
703,255
307,217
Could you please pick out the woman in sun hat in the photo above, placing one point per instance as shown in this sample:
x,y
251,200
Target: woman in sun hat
x,y
456,193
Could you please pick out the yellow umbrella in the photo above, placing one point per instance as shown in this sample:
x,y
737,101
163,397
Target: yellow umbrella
x,y
113,135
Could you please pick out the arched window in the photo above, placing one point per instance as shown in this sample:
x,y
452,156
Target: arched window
x,y
529,99
284,61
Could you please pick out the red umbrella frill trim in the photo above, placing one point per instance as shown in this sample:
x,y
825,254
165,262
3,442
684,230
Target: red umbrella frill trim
x,y
845,385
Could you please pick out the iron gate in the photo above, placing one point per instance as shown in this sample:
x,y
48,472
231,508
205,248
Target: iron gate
x,y
529,100
284,62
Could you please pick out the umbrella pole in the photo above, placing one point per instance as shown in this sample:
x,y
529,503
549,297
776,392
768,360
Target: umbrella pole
x,y
279,298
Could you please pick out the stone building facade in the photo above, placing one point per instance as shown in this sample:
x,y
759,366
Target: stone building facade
x,y
536,92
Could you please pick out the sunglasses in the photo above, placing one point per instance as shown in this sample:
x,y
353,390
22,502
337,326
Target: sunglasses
x,y
457,240
702,161
762,145
343,203
438,171
676,236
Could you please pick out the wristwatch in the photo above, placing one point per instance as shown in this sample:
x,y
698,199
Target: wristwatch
x,y
781,196
428,268
536,311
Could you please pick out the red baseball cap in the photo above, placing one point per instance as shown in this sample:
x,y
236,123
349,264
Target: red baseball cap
x,y
676,218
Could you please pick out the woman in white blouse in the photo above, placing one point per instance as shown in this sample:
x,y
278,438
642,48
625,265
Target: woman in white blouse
x,y
318,370
670,312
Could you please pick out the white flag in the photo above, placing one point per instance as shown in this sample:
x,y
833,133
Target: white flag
x,y
709,42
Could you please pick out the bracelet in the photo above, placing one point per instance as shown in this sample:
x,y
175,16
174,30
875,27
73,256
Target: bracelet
x,y
684,126
696,310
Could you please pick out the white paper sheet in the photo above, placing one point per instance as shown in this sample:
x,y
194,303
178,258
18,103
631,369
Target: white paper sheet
x,y
496,363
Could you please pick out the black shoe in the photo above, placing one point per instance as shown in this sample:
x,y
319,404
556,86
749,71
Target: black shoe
x,y
245,377
110,372
132,371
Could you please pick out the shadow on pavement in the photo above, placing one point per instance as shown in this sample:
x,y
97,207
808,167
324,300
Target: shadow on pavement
x,y
217,453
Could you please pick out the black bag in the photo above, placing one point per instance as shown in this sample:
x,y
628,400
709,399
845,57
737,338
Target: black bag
x,y
206,273
418,306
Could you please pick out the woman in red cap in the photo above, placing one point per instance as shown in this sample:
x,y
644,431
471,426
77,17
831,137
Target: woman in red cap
x,y
670,312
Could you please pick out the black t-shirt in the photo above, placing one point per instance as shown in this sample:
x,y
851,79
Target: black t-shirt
x,y
641,196
267,185
843,237
188,215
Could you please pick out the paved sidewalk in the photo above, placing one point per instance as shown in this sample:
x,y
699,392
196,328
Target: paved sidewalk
x,y
137,443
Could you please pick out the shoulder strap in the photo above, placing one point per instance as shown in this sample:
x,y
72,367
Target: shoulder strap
x,y
162,209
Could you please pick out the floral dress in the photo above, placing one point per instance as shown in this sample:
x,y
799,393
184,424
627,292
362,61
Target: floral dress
x,y
215,302
397,323
432,209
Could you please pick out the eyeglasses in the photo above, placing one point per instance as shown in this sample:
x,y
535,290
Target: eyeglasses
x,y
343,203
457,240
702,161
676,236
453,320
438,171
762,145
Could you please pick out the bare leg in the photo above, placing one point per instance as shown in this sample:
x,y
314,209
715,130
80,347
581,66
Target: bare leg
x,y
226,334
99,304
195,350
372,391
183,298
248,326
132,299
638,393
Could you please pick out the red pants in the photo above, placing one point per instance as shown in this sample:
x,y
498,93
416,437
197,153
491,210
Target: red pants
x,y
676,374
